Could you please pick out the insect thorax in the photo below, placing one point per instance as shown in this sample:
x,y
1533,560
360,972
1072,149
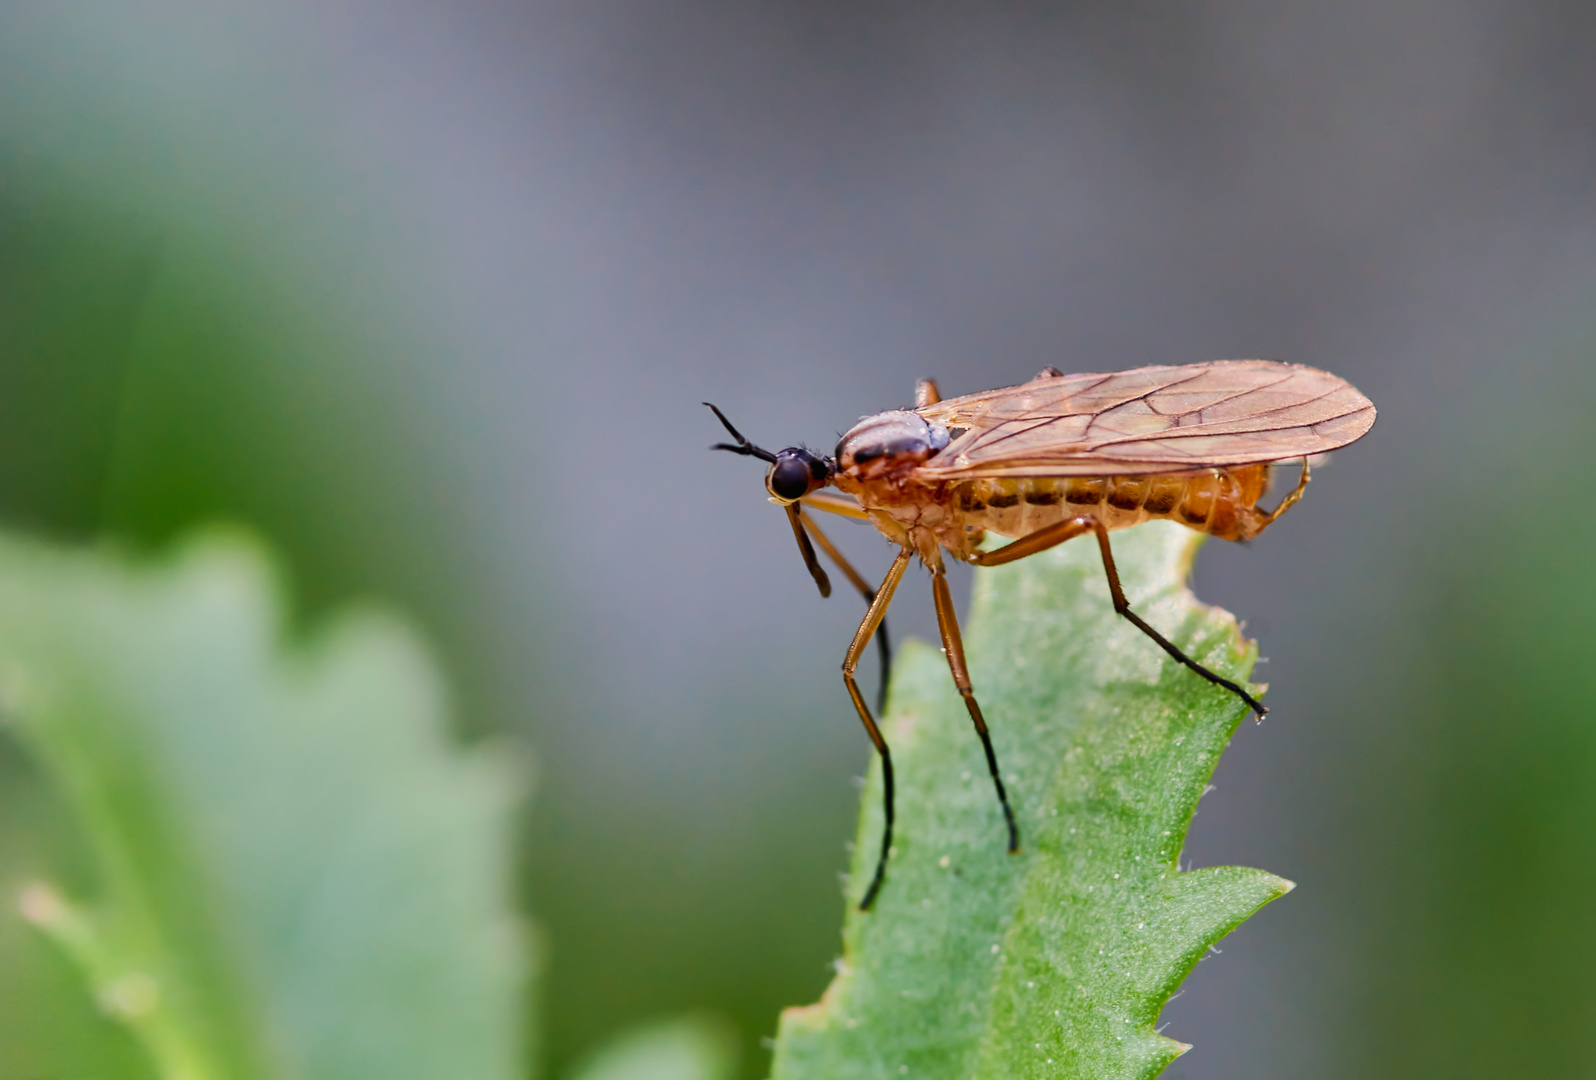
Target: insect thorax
x,y
889,445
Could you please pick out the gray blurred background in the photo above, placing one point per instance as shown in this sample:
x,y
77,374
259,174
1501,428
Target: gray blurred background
x,y
430,293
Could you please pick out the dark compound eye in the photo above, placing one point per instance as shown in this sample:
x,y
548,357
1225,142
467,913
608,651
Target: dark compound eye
x,y
790,477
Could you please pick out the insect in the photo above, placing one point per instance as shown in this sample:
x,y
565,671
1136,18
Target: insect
x,y
1040,463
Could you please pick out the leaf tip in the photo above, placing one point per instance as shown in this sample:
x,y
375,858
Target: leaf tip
x,y
1285,885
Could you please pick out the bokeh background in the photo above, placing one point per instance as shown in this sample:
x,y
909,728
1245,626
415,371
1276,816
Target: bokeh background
x,y
429,293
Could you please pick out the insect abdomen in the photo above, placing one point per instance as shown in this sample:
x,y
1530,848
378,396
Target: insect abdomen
x,y
1215,501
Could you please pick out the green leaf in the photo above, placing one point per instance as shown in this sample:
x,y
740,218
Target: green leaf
x,y
1053,962
295,875
682,1048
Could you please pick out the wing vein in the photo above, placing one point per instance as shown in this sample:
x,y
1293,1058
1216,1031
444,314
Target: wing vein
x,y
1135,422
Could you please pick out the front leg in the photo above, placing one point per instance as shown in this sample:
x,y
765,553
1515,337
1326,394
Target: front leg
x,y
850,663
883,642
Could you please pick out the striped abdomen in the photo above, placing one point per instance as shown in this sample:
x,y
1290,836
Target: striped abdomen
x,y
1216,501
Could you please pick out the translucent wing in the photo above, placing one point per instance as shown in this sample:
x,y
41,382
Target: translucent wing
x,y
1151,419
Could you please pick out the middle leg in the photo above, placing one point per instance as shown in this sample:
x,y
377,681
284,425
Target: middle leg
x,y
953,645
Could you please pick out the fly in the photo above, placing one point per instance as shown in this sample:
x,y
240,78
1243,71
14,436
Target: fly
x,y
1044,462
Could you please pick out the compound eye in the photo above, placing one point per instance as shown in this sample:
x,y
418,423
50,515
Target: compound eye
x,y
790,478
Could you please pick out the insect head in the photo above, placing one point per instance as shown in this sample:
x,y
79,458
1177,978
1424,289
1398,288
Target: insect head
x,y
793,473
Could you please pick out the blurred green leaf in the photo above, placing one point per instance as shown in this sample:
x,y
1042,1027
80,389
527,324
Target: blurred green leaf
x,y
1054,962
296,875
1475,850
683,1048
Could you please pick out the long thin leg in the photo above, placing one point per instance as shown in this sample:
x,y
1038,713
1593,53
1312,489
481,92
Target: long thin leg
x,y
1287,503
1072,527
883,643
1040,540
872,619
815,570
841,505
953,645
